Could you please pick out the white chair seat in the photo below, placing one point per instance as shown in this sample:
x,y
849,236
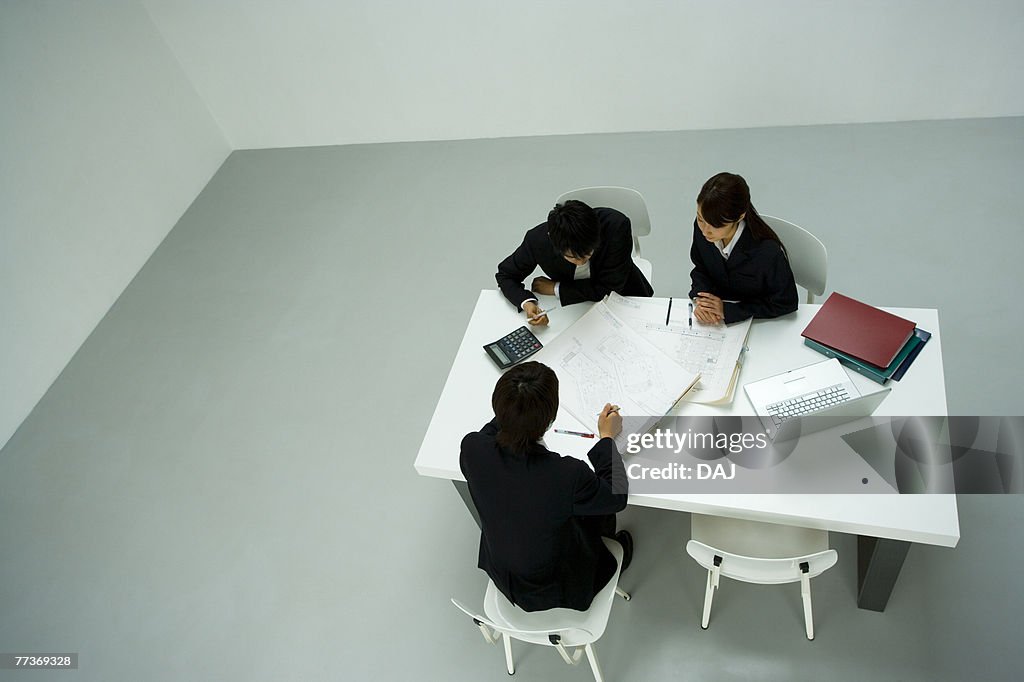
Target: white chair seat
x,y
559,628
762,553
585,626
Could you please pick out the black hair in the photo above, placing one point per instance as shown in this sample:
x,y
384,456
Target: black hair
x,y
573,229
525,402
724,198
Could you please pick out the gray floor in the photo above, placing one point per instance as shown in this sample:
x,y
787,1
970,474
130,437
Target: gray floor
x,y
220,484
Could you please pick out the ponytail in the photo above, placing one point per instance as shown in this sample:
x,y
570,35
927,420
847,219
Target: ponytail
x,y
760,230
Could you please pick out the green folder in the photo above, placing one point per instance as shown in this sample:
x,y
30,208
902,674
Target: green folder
x,y
876,374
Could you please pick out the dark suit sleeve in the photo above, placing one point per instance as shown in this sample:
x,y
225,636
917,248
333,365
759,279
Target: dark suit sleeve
x,y
594,493
700,280
465,462
611,274
513,270
779,291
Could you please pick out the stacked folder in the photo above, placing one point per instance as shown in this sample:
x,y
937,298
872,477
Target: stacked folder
x,y
877,344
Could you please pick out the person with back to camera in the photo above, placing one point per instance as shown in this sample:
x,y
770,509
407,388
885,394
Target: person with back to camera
x,y
542,515
585,254
740,267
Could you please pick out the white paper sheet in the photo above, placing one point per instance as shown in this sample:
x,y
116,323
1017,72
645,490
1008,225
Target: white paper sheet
x,y
600,359
713,351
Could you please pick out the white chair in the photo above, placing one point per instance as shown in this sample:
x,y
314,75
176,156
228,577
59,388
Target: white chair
x,y
763,553
560,628
629,202
807,255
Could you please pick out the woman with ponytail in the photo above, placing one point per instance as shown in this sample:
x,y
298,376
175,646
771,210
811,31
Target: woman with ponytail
x,y
740,266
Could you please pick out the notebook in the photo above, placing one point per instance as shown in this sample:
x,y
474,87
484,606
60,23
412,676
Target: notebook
x,y
876,374
860,330
905,365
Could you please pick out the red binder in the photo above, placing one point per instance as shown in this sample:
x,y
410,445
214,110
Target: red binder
x,y
860,330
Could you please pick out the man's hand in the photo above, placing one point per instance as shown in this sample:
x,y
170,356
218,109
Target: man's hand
x,y
708,308
609,423
534,315
543,285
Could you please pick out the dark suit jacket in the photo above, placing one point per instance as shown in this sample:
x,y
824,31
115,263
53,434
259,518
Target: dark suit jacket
x,y
534,544
611,266
757,274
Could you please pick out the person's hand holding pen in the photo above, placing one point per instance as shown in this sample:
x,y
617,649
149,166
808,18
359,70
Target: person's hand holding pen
x,y
609,423
708,308
534,314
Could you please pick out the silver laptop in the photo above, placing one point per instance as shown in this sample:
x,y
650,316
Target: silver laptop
x,y
822,391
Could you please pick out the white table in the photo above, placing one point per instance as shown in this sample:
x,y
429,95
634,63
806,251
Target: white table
x,y
885,524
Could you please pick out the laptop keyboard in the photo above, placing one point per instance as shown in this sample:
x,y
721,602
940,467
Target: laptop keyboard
x,y
807,403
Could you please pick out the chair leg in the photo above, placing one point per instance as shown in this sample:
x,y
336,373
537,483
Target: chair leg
x,y
509,665
489,636
805,595
709,595
592,657
570,659
622,593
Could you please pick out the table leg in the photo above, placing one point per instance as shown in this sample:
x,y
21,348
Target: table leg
x,y
879,561
463,489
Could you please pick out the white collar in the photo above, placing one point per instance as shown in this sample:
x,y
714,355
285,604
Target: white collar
x,y
727,250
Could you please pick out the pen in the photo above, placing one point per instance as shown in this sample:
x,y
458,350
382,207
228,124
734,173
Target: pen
x,y
669,313
690,320
574,433
542,313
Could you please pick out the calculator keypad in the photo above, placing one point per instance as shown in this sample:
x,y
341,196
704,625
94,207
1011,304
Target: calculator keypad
x,y
519,344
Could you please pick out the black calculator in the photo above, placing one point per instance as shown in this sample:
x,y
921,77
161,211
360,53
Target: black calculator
x,y
513,347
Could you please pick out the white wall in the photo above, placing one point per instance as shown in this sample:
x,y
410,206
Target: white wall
x,y
320,72
103,145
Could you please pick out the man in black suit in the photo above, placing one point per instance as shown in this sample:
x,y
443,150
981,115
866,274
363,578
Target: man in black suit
x,y
543,515
585,254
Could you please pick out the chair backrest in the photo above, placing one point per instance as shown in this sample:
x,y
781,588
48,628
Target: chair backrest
x,y
628,201
570,636
807,255
758,570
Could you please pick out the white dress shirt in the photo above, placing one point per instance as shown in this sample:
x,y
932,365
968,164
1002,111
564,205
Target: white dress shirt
x,y
726,250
